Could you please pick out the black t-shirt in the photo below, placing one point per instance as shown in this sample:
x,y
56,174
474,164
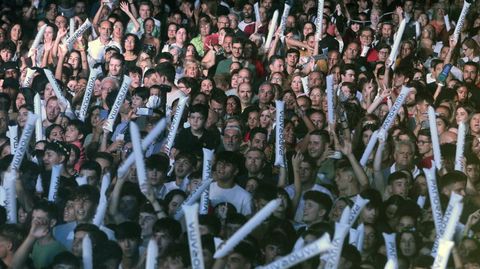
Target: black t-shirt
x,y
187,142
328,42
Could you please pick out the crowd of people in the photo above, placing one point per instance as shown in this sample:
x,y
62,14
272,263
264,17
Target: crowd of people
x,y
232,63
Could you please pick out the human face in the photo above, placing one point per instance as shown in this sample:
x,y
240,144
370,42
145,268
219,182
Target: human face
x,y
307,29
57,133
259,141
115,67
404,156
424,145
146,222
137,102
254,162
318,120
223,22
181,36
129,247
297,85
105,30
20,100
197,121
316,146
277,78
84,209
265,119
457,187
217,107
72,134
316,97
253,119
77,243
265,94
144,11
366,38
191,70
312,212
245,93
277,66
163,240
421,185
16,32
400,187
369,238
53,110
461,115
183,167
383,54
225,171
237,261
405,222
387,30
352,51
149,26
369,215
472,171
176,201
292,59
349,76
129,43
206,86
231,139
237,50
469,73
462,93
306,172
61,22
91,176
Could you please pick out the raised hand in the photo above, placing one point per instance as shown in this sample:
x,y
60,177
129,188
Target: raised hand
x,y
39,228
297,159
124,7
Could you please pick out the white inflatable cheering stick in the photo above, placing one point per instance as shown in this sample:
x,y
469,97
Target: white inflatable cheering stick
x,y
461,18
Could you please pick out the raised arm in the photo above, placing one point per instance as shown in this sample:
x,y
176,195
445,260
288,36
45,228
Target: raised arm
x,y
125,8
346,149
39,229
379,182
62,50
296,160
60,35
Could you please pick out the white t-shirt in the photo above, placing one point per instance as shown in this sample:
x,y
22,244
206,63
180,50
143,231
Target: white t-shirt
x,y
237,196
291,193
172,185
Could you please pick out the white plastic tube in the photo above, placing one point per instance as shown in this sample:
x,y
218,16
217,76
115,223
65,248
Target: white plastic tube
x,y
432,120
149,139
368,150
319,246
24,140
461,19
460,147
247,228
37,108
194,238
138,153
94,73
122,93
175,123
279,137
37,40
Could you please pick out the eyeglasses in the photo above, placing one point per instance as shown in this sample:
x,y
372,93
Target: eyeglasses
x,y
420,142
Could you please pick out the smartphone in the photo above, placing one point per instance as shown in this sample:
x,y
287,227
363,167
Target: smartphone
x,y
103,114
143,111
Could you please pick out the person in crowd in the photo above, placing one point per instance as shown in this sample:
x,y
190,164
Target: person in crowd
x,y
311,121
